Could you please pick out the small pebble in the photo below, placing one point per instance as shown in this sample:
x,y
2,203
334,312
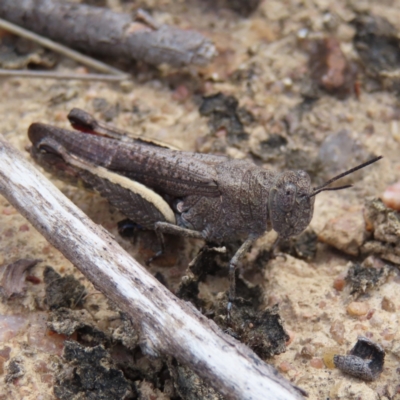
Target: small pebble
x,y
24,228
126,86
345,33
308,351
9,211
340,281
360,327
345,232
328,354
388,305
47,378
317,363
376,321
81,70
287,82
221,133
33,279
302,34
181,93
60,116
291,337
5,352
2,362
9,233
357,309
337,331
41,366
391,196
370,314
388,334
285,366
11,326
46,249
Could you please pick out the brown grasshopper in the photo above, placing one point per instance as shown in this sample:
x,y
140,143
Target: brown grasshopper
x,y
203,196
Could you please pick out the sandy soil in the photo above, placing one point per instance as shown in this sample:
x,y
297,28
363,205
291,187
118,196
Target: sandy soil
x,y
264,52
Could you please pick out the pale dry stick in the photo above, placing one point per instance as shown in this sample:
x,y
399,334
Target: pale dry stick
x,y
65,51
168,325
23,73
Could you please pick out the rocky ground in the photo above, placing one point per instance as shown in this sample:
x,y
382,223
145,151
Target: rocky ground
x,y
307,85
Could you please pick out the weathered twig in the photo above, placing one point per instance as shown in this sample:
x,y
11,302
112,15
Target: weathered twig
x,y
104,32
168,325
74,55
23,73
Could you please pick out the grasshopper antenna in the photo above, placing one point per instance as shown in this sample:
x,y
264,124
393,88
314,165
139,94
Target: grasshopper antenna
x,y
323,187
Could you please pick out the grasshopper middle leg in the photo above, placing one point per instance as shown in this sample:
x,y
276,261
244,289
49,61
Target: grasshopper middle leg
x,y
243,249
166,227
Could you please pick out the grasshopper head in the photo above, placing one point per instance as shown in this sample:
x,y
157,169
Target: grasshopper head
x,y
290,205
291,199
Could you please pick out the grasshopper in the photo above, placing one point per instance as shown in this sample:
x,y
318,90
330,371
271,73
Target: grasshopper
x,y
209,197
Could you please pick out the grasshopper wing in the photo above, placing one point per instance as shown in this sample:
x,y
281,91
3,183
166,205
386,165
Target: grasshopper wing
x,y
171,172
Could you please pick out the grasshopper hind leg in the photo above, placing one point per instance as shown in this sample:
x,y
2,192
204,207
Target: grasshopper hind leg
x,y
136,201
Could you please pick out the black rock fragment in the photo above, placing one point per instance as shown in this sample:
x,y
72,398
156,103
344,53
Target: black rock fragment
x,y
377,43
365,360
90,375
361,279
15,369
271,148
262,331
62,291
224,112
383,224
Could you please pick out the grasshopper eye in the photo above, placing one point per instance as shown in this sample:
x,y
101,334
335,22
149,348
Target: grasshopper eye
x,y
287,197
